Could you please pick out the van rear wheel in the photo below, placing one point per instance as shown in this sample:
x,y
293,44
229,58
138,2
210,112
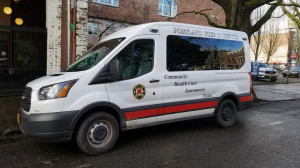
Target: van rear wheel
x,y
98,133
226,114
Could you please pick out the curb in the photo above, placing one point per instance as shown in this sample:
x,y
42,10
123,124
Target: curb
x,y
3,122
10,132
278,100
11,138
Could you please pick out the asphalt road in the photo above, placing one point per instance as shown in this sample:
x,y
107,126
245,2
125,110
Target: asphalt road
x,y
265,136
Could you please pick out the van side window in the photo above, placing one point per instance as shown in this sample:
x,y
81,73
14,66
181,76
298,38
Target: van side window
x,y
136,59
185,53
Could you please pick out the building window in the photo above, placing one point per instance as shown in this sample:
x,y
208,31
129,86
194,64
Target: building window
x,y
92,28
167,8
108,2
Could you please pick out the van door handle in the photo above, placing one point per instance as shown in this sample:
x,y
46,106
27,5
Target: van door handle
x,y
154,80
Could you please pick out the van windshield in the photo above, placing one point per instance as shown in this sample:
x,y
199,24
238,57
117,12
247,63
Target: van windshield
x,y
94,55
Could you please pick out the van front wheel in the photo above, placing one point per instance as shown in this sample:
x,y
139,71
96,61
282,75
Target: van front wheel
x,y
226,114
98,133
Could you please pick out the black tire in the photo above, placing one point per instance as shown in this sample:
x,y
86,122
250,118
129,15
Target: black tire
x,y
254,78
98,133
284,75
273,79
226,114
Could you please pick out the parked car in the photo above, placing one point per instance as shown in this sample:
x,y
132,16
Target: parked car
x,y
278,67
265,72
294,71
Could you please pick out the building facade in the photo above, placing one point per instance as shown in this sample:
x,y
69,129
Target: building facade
x,y
95,19
40,37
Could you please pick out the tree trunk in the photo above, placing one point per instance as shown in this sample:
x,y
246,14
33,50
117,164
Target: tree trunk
x,y
268,59
237,16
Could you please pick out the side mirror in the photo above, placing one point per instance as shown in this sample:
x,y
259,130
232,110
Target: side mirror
x,y
115,70
110,73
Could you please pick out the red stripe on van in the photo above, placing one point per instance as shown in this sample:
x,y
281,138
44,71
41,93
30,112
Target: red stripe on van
x,y
167,110
246,98
141,114
190,107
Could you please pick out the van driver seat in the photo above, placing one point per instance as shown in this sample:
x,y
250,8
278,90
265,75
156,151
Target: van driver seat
x,y
146,65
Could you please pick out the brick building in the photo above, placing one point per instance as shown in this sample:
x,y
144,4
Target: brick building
x,y
39,37
125,13
99,18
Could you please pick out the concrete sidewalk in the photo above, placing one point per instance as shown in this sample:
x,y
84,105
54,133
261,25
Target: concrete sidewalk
x,y
8,114
278,92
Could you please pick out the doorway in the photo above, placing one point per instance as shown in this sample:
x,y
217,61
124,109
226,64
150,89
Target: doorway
x,y
23,40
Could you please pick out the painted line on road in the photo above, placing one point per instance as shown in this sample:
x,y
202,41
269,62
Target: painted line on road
x,y
276,123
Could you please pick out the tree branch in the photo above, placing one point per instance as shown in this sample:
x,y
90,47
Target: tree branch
x,y
291,16
284,4
265,18
201,12
255,3
295,8
277,17
108,27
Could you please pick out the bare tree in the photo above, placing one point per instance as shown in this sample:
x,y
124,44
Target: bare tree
x,y
293,12
272,39
256,45
258,39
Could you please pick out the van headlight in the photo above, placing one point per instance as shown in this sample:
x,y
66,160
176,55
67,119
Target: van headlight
x,y
54,91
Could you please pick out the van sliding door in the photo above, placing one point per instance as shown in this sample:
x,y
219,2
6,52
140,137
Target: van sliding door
x,y
188,77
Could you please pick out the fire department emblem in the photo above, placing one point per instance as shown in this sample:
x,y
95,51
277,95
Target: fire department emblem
x,y
139,91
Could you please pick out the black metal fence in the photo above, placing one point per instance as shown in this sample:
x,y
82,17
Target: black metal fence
x,y
23,55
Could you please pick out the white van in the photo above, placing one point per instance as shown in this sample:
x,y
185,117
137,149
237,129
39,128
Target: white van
x,y
140,76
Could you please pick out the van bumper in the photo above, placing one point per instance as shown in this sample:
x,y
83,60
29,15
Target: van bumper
x,y
49,127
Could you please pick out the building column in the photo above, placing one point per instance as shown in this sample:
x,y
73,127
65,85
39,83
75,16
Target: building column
x,y
81,27
53,25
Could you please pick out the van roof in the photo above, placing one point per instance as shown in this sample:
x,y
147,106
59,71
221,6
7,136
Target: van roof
x,y
144,29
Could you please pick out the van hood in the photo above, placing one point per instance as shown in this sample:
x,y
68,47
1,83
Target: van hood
x,y
53,79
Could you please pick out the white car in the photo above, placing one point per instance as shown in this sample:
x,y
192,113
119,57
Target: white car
x,y
265,72
140,76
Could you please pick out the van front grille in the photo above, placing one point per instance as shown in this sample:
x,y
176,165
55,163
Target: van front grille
x,y
26,98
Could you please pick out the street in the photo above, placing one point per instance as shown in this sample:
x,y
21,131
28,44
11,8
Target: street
x,y
82,69
266,135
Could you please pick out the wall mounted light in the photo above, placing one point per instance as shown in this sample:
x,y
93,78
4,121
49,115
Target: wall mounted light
x,y
7,10
19,21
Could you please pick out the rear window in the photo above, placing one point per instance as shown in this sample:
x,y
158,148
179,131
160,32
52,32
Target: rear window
x,y
263,65
185,53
